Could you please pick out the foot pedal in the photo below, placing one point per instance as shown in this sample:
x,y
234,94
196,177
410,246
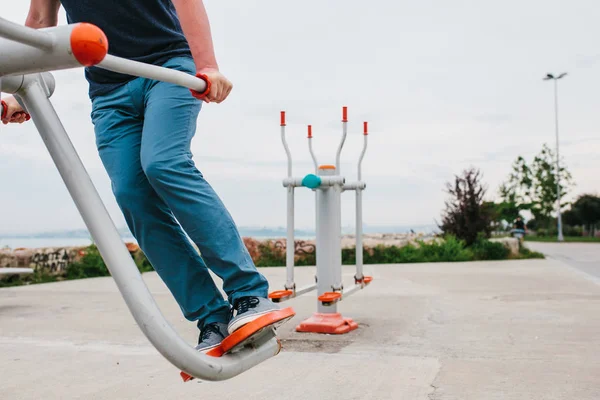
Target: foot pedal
x,y
248,334
329,298
252,331
364,281
281,295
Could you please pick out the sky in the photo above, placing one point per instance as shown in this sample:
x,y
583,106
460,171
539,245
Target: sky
x,y
444,86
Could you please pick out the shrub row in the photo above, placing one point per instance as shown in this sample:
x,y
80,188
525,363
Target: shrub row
x,y
448,250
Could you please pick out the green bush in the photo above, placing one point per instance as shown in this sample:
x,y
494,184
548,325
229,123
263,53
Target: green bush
x,y
142,262
525,253
19,280
449,250
483,249
91,265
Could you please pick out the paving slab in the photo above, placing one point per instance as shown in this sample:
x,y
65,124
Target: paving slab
x,y
480,330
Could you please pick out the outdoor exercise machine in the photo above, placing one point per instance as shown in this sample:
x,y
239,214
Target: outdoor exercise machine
x,y
328,184
26,57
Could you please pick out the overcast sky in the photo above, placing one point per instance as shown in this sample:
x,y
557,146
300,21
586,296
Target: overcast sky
x,y
444,85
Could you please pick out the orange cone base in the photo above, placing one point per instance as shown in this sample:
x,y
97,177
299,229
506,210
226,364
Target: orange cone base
x,y
327,323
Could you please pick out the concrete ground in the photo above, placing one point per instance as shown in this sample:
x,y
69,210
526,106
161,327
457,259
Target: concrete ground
x,y
482,331
582,256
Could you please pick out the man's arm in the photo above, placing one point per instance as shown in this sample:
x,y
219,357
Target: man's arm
x,y
42,13
196,28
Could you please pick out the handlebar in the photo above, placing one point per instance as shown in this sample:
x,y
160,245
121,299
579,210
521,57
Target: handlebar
x,y
199,83
25,50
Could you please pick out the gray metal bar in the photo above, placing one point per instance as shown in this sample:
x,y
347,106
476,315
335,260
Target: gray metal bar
x,y
351,291
26,35
290,246
344,132
136,68
306,289
118,260
310,149
354,186
359,217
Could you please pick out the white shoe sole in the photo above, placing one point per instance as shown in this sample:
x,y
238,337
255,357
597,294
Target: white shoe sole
x,y
207,349
243,321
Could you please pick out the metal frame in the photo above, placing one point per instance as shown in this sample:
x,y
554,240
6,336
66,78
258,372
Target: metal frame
x,y
328,185
40,51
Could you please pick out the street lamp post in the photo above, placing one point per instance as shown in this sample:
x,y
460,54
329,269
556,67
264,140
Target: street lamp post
x,y
559,219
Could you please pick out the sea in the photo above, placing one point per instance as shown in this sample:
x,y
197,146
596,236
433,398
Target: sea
x,y
36,243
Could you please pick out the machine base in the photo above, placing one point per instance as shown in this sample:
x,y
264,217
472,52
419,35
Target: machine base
x,y
327,323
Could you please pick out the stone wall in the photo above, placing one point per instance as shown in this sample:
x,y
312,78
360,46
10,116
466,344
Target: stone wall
x,y
54,260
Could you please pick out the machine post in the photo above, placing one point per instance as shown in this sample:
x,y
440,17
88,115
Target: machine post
x,y
290,246
344,132
359,219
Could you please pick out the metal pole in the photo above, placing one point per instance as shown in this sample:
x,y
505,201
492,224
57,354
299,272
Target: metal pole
x,y
327,218
359,220
344,132
290,245
559,218
136,68
310,149
26,35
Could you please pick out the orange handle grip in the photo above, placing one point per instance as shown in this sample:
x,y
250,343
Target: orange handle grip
x,y
344,114
365,128
283,118
310,131
198,95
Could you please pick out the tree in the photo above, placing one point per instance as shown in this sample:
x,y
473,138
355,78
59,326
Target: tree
x,y
534,188
515,193
466,215
585,211
544,187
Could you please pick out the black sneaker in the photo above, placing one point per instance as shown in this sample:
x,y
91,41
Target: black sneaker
x,y
247,309
211,336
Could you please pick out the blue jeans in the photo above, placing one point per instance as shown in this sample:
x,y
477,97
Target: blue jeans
x,y
143,134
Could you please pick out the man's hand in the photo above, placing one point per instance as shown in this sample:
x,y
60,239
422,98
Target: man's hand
x,y
14,112
219,89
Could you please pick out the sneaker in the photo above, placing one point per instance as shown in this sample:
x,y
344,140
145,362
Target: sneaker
x,y
211,336
247,309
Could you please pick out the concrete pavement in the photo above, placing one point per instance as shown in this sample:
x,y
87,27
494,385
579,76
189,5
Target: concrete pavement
x,y
483,331
583,256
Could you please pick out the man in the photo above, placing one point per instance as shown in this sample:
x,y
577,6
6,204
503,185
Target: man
x,y
519,229
143,132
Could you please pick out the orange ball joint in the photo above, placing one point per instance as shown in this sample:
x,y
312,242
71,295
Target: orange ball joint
x,y
88,44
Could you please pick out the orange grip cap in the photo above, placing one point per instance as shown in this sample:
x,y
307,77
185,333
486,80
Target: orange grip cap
x,y
283,118
88,44
366,128
310,131
344,114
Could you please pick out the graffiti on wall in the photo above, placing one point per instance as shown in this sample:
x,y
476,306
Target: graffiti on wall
x,y
50,260
301,246
54,260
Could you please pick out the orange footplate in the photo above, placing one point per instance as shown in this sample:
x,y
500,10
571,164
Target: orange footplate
x,y
330,297
367,279
280,295
247,333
